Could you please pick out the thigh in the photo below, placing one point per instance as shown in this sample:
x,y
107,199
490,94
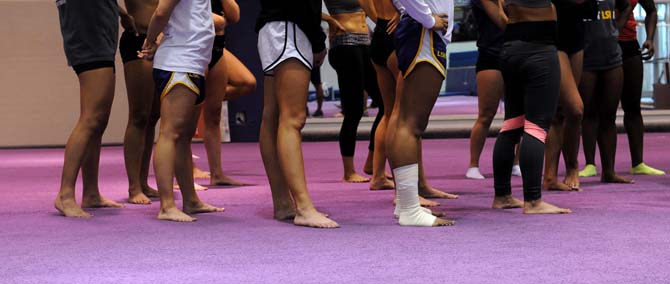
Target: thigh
x,y
514,104
609,93
419,92
587,88
350,75
238,73
632,83
490,89
577,64
178,110
570,100
139,86
97,91
291,83
542,75
217,79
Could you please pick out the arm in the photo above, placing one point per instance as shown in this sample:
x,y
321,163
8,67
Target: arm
x,y
156,26
333,24
419,11
231,10
127,21
369,9
650,26
625,10
494,10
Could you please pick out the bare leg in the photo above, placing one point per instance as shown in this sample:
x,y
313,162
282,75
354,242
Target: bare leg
x,y
96,96
178,122
608,101
281,196
587,89
425,190
217,79
410,118
572,124
91,197
386,82
240,80
290,90
140,88
350,174
490,88
571,115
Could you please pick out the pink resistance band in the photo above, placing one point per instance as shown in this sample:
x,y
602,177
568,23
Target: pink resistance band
x,y
512,123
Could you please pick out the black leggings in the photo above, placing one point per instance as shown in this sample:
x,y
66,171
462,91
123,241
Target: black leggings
x,y
355,74
532,81
630,102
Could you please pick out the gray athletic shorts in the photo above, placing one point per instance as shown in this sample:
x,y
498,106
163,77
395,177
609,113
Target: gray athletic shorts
x,y
90,30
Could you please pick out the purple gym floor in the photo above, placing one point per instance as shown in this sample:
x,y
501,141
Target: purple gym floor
x,y
617,233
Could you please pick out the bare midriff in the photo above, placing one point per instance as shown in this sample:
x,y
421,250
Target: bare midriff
x,y
518,14
385,9
352,22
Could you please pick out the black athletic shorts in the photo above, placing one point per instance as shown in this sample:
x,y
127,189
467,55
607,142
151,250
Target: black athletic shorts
x,y
629,49
129,45
217,50
487,61
381,46
89,37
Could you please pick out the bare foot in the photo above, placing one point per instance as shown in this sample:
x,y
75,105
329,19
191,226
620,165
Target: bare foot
x,y
557,186
369,172
225,180
572,180
195,186
138,198
69,208
541,207
174,214
430,192
614,178
97,201
506,202
150,192
284,214
439,222
314,219
355,178
200,207
198,173
381,185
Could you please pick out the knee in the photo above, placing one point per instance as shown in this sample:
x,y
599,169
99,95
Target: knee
x,y
293,121
486,118
212,116
575,113
248,85
631,109
96,123
139,119
176,130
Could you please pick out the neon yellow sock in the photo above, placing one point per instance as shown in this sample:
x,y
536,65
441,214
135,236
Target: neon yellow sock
x,y
643,169
589,171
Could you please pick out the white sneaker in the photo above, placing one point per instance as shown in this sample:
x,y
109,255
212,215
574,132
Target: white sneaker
x,y
516,170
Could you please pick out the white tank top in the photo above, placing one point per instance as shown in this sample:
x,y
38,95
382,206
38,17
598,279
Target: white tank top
x,y
187,38
422,11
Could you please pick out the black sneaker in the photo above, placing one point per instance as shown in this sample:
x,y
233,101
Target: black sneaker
x,y
317,113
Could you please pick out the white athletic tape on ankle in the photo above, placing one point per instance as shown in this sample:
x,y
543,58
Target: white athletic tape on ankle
x,y
409,208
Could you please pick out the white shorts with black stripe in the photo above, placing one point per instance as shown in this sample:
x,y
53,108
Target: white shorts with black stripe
x,y
279,41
